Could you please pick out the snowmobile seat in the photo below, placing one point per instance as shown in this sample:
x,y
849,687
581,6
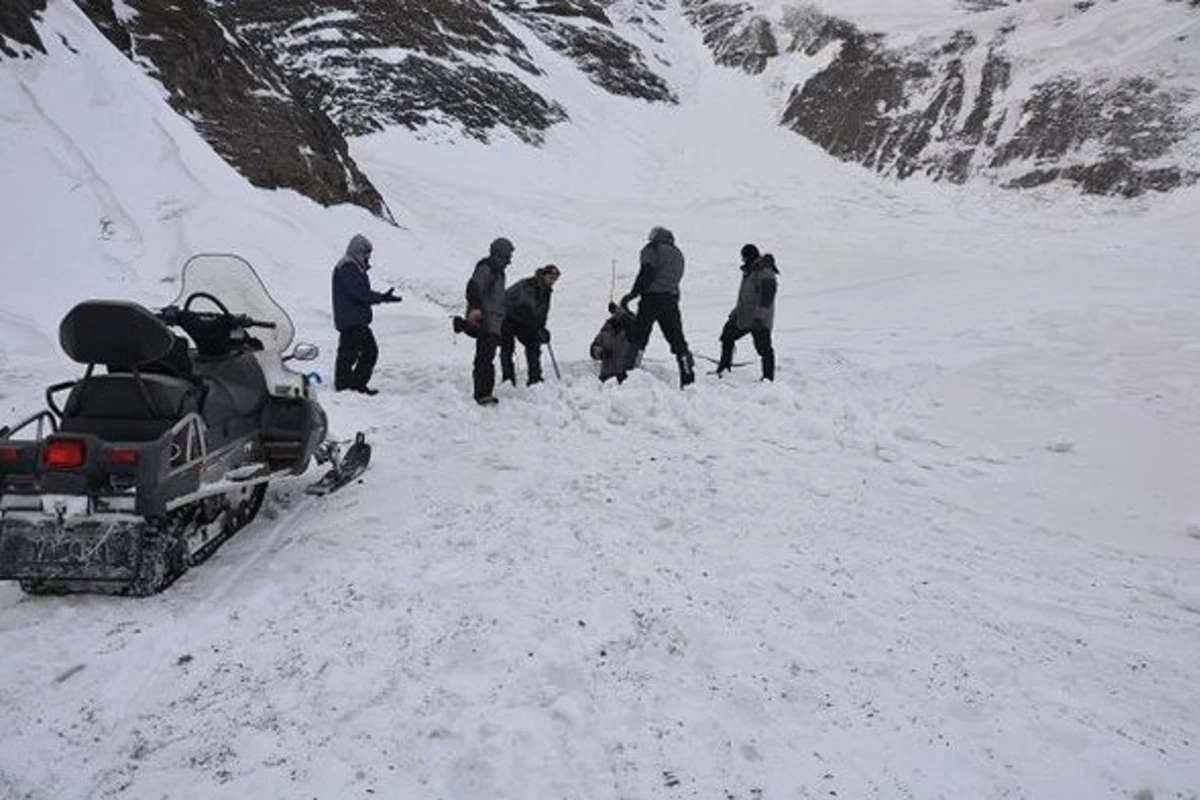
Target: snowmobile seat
x,y
128,407
128,404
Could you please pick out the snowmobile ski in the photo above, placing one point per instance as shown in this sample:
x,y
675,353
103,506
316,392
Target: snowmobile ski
x,y
345,469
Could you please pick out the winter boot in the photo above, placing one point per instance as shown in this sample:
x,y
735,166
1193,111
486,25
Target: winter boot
x,y
487,400
687,369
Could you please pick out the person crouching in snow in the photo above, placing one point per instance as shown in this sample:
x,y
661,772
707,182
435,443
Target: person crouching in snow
x,y
754,313
612,344
526,306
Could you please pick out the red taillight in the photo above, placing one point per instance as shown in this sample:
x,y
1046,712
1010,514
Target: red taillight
x,y
123,457
10,455
65,454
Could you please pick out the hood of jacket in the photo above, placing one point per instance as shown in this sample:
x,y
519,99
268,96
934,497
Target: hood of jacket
x,y
660,235
359,249
766,261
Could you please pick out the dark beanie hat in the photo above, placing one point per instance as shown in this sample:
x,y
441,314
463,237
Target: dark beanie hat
x,y
749,253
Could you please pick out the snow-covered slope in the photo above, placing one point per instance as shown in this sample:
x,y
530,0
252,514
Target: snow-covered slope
x,y
953,551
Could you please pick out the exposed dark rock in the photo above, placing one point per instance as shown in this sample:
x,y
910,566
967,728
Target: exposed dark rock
x,y
904,111
373,63
239,103
1115,176
610,61
104,17
738,36
1132,119
16,24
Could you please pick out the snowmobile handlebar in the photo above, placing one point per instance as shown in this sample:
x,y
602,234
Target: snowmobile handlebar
x,y
181,317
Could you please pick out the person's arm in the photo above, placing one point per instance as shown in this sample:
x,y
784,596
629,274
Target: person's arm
x,y
766,292
479,280
644,277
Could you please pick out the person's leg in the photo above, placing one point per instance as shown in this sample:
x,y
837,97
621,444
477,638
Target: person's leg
x,y
368,355
762,344
347,354
729,336
484,370
508,370
533,359
671,323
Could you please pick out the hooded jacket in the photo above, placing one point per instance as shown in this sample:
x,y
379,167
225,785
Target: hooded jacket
x,y
611,345
756,296
661,266
527,304
352,293
485,288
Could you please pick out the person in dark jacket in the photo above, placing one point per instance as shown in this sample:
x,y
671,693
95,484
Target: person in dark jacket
x,y
485,316
612,345
352,300
526,306
754,313
657,283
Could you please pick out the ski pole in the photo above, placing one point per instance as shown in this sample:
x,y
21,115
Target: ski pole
x,y
553,361
612,287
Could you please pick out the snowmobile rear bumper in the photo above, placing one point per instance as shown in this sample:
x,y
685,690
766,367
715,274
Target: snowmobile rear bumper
x,y
92,549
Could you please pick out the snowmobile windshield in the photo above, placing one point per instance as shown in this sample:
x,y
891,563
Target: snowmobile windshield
x,y
232,281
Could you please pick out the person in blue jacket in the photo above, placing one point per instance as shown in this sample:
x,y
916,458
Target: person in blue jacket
x,y
352,301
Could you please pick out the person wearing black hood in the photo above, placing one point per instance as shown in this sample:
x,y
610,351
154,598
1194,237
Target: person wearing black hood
x,y
352,300
754,313
526,306
485,316
611,346
657,283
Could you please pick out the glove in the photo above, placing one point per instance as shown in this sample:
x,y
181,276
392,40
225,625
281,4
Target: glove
x,y
544,336
390,296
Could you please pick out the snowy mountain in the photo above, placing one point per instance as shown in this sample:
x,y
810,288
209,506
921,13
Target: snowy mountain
x,y
950,90
952,551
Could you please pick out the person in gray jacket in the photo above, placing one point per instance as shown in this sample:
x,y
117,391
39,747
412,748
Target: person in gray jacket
x,y
754,313
485,316
657,283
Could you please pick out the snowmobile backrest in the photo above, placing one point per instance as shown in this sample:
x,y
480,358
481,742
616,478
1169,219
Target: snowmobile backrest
x,y
114,332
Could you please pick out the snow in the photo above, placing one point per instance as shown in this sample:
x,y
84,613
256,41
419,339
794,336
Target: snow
x,y
952,551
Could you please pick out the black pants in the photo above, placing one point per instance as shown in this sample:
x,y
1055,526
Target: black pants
x,y
356,356
484,370
663,309
510,334
762,345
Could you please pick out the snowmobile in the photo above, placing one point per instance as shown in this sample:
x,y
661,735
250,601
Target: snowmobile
x,y
148,466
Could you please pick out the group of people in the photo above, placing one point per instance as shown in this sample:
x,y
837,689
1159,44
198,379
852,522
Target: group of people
x,y
498,316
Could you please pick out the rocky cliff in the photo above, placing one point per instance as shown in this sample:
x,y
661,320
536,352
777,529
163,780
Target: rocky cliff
x,y
276,87
961,104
